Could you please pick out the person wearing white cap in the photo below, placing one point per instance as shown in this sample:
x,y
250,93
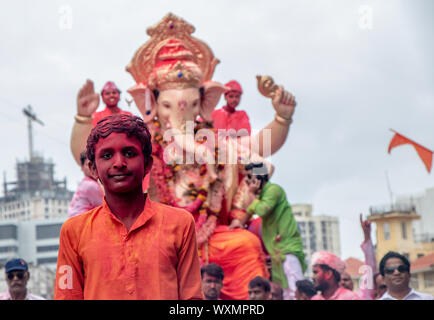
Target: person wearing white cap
x,y
17,275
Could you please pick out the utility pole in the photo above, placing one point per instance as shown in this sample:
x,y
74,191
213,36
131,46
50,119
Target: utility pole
x,y
31,116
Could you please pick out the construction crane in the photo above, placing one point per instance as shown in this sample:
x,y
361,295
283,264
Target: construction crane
x,y
31,116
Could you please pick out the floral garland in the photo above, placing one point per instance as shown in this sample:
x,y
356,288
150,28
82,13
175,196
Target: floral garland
x,y
206,230
163,173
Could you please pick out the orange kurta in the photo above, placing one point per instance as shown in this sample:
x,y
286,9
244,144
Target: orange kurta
x,y
156,259
239,253
236,120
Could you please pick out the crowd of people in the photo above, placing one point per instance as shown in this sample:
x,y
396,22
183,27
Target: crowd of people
x,y
327,282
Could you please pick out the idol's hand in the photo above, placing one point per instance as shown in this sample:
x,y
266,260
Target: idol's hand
x,y
87,100
284,103
235,224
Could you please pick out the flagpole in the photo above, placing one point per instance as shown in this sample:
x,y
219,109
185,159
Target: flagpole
x,y
389,188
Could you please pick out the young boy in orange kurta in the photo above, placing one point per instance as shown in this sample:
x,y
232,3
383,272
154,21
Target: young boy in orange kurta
x,y
130,247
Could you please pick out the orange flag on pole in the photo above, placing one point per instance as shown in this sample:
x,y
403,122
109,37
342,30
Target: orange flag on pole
x,y
424,153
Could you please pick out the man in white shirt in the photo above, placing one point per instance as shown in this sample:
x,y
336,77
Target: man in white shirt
x,y
395,268
17,275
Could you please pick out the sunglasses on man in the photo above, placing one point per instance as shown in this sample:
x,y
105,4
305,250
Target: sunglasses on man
x,y
19,275
401,268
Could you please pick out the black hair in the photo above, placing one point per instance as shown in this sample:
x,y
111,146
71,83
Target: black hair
x,y
202,92
393,254
307,287
83,157
156,94
261,173
212,269
132,126
260,282
336,274
253,165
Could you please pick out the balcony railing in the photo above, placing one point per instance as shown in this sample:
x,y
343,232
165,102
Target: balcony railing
x,y
399,208
424,237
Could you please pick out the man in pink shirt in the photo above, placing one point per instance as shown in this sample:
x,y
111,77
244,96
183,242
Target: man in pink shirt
x,y
327,270
227,117
88,195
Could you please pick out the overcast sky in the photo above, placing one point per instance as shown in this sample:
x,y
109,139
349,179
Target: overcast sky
x,y
354,75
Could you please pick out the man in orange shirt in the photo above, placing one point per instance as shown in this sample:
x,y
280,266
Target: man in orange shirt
x,y
227,117
130,247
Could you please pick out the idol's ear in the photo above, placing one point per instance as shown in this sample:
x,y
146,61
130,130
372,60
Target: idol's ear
x,y
211,96
144,100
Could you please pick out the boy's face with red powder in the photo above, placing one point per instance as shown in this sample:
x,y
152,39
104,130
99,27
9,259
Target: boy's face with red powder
x,y
111,97
120,163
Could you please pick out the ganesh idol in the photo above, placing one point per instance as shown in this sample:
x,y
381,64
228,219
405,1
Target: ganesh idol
x,y
176,96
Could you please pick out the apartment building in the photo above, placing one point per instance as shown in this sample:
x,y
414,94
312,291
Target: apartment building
x,y
319,233
36,241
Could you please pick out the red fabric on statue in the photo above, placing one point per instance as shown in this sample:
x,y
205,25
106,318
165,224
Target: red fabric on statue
x,y
236,120
240,255
255,227
97,116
